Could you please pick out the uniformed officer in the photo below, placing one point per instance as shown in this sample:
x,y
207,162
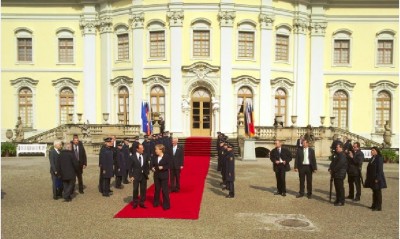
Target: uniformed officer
x,y
134,145
125,151
106,160
230,171
120,167
223,164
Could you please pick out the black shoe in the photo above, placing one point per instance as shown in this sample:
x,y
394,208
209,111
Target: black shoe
x,y
142,206
277,193
111,191
283,194
339,204
299,195
349,197
134,206
376,209
81,192
155,205
166,208
230,196
356,199
55,197
106,195
372,207
309,196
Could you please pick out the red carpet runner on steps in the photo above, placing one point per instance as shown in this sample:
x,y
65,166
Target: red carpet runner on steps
x,y
186,203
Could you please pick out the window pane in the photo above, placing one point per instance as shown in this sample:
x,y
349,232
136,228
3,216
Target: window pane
x,y
282,48
201,43
65,50
157,44
246,44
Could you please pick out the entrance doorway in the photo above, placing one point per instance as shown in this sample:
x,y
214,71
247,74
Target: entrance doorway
x,y
201,113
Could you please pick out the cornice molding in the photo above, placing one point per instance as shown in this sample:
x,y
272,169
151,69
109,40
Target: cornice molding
x,y
157,78
24,81
65,82
245,79
200,69
121,80
385,84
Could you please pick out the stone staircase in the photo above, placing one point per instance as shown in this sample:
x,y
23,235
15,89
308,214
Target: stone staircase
x,y
213,149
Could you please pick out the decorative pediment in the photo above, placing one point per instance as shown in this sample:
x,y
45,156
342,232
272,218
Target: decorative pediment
x,y
156,79
341,85
200,69
385,84
119,80
282,82
24,81
65,82
246,80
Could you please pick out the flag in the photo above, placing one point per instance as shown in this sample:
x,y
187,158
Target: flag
x,y
146,128
249,120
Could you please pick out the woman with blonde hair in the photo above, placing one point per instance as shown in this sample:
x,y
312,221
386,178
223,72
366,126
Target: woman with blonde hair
x,y
160,167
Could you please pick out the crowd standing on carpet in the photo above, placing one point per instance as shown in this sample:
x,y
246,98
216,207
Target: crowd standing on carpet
x,y
161,154
158,153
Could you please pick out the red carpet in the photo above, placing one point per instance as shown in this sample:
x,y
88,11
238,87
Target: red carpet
x,y
186,203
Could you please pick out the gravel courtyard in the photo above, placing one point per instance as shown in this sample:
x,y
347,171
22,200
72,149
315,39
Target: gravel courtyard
x,y
29,211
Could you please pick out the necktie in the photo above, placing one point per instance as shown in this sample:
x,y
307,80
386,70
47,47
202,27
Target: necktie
x,y
76,153
141,160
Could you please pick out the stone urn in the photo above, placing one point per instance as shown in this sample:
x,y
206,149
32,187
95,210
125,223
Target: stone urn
x,y
106,117
332,120
322,120
294,120
9,134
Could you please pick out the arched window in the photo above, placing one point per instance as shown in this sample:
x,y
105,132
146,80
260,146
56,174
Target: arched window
x,y
157,99
25,106
123,104
66,104
340,109
383,109
245,95
281,104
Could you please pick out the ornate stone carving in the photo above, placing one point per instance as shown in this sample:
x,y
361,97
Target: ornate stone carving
x,y
266,21
185,104
300,25
215,104
137,20
201,69
157,79
246,80
65,82
106,24
318,28
226,18
120,80
88,25
25,82
175,18
387,135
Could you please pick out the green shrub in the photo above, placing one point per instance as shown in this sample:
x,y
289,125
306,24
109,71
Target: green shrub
x,y
389,155
8,148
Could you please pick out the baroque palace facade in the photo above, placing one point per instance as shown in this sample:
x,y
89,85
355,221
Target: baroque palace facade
x,y
198,62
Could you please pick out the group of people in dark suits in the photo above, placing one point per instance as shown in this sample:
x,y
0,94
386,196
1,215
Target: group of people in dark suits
x,y
67,164
347,159
158,153
305,164
226,164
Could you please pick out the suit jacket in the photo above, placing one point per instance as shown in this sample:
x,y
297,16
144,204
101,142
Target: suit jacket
x,y
355,164
163,173
68,165
82,155
338,166
121,166
375,172
53,158
230,166
300,158
285,155
177,158
298,144
138,171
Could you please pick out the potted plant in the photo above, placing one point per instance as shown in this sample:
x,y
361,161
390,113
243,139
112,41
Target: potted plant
x,y
390,156
8,149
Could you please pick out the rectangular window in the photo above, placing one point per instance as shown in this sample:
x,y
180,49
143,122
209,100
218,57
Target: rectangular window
x,y
201,43
246,45
342,52
65,50
24,49
157,44
123,46
385,52
282,48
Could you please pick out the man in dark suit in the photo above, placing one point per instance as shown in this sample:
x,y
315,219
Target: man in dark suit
x,y
54,155
127,158
135,143
280,157
176,166
68,168
306,165
338,168
139,174
355,160
120,166
299,142
80,156
230,171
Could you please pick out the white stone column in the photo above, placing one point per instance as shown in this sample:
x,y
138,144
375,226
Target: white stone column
x,y
316,108
228,116
265,109
88,23
175,23
299,71
105,25
137,19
